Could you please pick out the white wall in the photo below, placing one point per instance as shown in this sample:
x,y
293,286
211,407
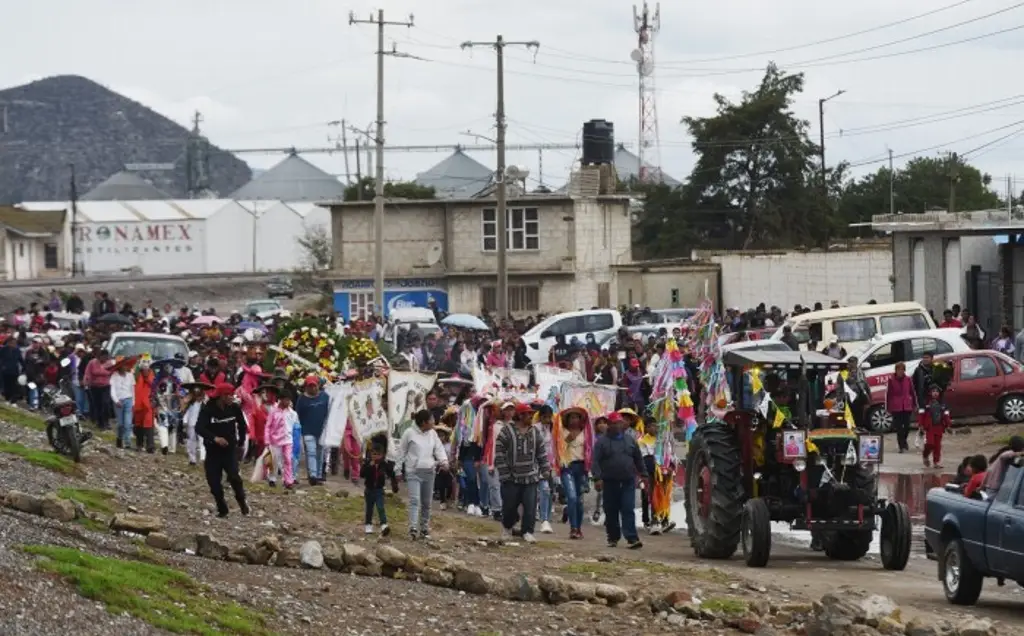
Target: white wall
x,y
155,247
790,278
229,247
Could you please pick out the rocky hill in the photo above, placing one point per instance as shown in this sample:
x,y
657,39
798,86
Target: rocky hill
x,y
51,123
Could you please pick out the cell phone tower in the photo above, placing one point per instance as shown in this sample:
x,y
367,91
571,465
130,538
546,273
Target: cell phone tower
x,y
646,25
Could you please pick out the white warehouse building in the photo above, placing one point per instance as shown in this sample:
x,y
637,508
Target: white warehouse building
x,y
193,236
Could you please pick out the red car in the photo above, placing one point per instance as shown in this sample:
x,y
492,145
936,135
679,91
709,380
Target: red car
x,y
983,383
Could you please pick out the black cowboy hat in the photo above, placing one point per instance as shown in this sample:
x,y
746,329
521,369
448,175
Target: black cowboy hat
x,y
191,386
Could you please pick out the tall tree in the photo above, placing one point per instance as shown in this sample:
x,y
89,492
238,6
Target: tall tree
x,y
758,169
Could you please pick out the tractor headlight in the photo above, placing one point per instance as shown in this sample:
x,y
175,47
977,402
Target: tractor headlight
x,y
800,465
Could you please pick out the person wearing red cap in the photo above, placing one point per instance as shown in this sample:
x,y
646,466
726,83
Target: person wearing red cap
x,y
616,466
521,460
223,429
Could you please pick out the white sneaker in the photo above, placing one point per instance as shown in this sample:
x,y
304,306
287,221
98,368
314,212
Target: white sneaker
x,y
368,529
527,537
545,527
655,529
472,510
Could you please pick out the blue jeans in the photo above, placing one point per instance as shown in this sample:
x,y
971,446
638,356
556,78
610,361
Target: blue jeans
x,y
471,491
296,449
484,486
619,498
375,499
81,401
33,398
544,501
314,456
574,479
123,420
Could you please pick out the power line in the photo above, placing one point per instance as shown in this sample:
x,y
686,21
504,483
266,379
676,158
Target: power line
x,y
857,164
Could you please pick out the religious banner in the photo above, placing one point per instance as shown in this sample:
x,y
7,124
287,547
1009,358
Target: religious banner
x,y
366,412
549,377
407,393
337,414
595,399
503,382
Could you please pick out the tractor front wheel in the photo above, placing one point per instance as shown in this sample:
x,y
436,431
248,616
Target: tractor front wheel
x,y
756,533
714,491
895,537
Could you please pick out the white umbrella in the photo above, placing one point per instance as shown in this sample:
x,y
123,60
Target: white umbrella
x,y
465,321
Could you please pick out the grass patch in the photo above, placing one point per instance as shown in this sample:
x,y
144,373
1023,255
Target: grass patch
x,y
724,605
592,568
163,597
93,499
43,459
92,524
22,418
352,509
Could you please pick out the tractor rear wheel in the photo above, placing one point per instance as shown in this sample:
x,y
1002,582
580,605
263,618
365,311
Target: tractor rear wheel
x,y
846,545
714,491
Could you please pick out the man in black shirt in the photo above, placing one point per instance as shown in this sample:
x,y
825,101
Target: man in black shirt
x,y
223,429
561,351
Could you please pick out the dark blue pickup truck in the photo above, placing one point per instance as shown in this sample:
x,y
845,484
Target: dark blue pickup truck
x,y
978,537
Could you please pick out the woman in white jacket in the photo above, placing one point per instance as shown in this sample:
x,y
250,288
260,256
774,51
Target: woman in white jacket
x,y
421,454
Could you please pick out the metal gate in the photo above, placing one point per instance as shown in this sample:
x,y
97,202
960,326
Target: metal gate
x,y
985,299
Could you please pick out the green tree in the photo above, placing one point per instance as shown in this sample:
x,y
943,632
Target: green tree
x,y
922,185
757,180
364,190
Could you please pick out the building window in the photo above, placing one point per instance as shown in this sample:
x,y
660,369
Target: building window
x,y
359,302
520,298
21,249
50,256
522,225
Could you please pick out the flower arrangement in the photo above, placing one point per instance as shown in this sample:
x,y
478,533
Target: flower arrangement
x,y
313,340
942,373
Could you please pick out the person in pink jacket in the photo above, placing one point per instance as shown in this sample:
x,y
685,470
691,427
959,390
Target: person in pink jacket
x,y
278,437
901,402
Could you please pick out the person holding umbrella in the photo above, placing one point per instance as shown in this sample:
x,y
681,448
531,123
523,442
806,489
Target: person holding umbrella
x,y
223,429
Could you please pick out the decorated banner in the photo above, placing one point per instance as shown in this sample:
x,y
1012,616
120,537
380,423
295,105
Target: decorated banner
x,y
500,381
337,414
548,376
407,393
366,412
595,399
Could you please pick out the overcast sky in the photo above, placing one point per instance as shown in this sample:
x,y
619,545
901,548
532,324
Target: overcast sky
x,y
273,73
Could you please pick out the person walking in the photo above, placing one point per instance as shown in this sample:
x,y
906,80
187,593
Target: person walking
x,y
421,454
901,402
223,429
97,380
278,432
312,408
122,395
617,464
376,471
571,450
521,461
193,405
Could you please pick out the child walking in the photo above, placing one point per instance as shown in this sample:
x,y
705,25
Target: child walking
x,y
933,419
193,445
376,471
600,430
281,420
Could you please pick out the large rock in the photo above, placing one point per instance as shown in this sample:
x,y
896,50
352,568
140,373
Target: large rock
x,y
24,502
519,588
53,507
611,593
581,591
391,556
139,524
311,555
183,543
209,547
333,558
288,558
253,554
554,588
270,542
842,612
975,627
354,555
472,582
159,541
414,564
436,577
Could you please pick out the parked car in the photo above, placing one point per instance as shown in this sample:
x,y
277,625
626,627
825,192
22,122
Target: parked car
x,y
280,287
541,337
160,346
976,538
983,383
856,325
663,317
262,308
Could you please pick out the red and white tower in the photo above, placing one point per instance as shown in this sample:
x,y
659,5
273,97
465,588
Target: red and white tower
x,y
647,24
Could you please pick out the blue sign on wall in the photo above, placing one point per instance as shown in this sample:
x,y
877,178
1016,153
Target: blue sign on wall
x,y
394,299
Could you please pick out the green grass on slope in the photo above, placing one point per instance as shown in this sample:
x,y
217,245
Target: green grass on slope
x,y
44,459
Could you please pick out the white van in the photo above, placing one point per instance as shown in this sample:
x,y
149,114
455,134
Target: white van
x,y
603,323
854,326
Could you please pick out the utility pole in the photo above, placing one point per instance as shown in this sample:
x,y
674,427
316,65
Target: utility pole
x,y
74,223
892,180
821,133
359,174
378,199
499,45
954,177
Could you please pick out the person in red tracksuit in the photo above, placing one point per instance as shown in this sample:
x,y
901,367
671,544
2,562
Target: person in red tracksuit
x,y
933,419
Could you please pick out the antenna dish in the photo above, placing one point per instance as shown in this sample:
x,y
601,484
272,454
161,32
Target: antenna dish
x,y
517,173
434,253
636,55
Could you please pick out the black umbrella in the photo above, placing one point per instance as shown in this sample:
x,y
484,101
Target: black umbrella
x,y
115,319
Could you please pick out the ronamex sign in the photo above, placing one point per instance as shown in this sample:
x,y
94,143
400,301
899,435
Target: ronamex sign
x,y
136,233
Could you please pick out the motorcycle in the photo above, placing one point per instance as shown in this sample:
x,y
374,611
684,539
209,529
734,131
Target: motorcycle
x,y
63,429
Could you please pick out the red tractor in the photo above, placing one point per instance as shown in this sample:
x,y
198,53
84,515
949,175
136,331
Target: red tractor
x,y
775,458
